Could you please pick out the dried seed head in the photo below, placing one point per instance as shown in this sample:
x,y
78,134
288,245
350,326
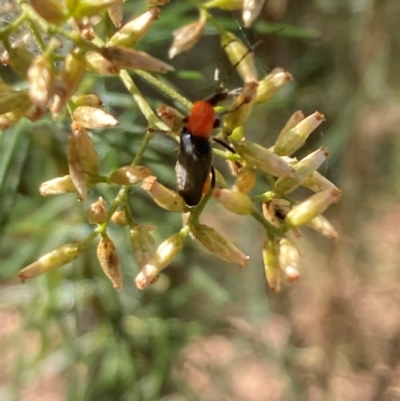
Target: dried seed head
x,y
273,272
164,197
87,100
134,30
97,212
317,182
296,137
170,117
85,149
109,261
241,107
225,4
263,159
51,260
41,79
163,256
142,242
219,245
87,8
234,201
251,10
50,10
271,84
57,186
302,169
134,59
322,225
119,218
76,169
116,13
187,36
316,204
245,180
240,57
129,175
289,258
93,118
97,64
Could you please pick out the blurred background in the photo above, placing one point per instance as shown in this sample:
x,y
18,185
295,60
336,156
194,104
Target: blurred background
x,y
208,330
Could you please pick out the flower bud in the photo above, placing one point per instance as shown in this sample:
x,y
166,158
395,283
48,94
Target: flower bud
x,y
40,76
237,134
93,118
164,197
240,57
142,242
109,261
234,201
273,272
302,169
87,100
322,225
76,170
51,260
116,13
119,218
263,159
134,30
97,212
87,8
20,59
316,204
85,149
12,100
289,258
164,255
187,36
241,107
129,175
219,245
134,59
245,180
251,9
50,10
294,119
271,84
170,117
295,138
225,4
97,64
317,182
57,186
85,28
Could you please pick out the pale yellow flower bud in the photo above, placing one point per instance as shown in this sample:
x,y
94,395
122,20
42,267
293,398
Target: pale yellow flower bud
x,y
224,4
296,137
40,76
263,159
116,13
245,180
20,59
51,260
273,272
240,57
271,84
251,10
97,211
119,218
57,186
135,59
87,8
302,169
289,258
241,107
109,261
134,30
87,100
164,197
50,10
237,134
186,37
97,64
93,118
316,204
11,100
129,175
234,201
170,117
142,242
219,245
76,170
317,182
322,225
163,256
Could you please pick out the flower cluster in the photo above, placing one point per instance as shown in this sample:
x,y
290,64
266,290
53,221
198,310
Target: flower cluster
x,y
53,86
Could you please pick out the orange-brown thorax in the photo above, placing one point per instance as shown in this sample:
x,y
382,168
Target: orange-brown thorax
x,y
201,119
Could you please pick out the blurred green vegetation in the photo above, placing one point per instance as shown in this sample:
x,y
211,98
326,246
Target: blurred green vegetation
x,y
207,330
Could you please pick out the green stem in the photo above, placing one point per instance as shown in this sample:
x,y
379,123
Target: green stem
x,y
227,155
37,35
271,229
5,33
